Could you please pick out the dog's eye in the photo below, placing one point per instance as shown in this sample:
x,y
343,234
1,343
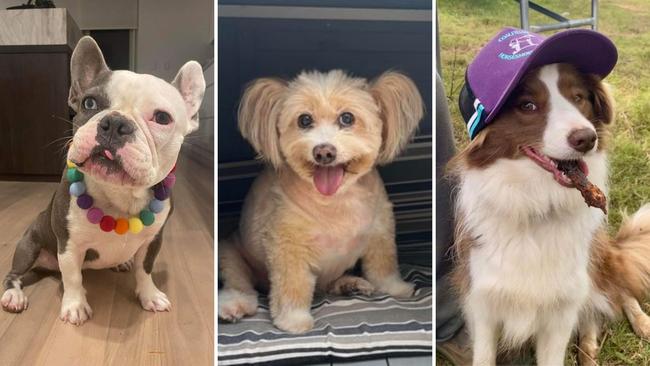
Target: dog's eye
x,y
528,106
162,118
305,121
89,103
346,119
578,98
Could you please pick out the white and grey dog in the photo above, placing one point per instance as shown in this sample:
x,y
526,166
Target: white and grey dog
x,y
128,131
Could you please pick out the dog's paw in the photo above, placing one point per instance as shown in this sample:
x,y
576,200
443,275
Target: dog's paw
x,y
75,310
396,287
641,326
234,305
588,357
154,300
294,321
14,300
351,285
123,267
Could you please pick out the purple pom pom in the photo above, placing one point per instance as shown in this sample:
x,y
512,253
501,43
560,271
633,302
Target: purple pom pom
x,y
161,192
95,215
84,201
169,180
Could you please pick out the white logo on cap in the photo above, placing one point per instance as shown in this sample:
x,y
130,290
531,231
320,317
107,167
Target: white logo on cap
x,y
521,43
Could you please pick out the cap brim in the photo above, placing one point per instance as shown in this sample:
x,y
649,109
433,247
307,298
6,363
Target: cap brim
x,y
589,51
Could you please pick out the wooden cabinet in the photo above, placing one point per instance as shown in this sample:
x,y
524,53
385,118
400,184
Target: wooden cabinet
x,y
35,49
34,114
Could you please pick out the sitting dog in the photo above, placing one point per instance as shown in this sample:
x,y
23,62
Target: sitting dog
x,y
320,205
533,260
128,131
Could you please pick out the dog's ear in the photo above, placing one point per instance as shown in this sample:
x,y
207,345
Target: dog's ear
x,y
259,111
190,83
401,109
602,100
87,62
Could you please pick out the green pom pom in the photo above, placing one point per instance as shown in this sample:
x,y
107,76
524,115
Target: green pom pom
x,y
74,175
147,217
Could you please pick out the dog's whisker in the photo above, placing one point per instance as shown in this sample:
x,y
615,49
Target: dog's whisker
x,y
64,120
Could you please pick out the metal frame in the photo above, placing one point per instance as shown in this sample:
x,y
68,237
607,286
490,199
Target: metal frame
x,y
562,22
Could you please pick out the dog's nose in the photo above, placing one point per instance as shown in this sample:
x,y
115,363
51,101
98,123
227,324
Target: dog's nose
x,y
116,124
324,153
582,139
115,127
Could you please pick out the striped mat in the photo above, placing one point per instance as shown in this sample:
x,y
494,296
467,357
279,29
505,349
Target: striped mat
x,y
346,328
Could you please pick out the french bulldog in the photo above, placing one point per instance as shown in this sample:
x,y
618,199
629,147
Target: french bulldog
x,y
127,134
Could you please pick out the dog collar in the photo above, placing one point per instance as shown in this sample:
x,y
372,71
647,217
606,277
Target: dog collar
x,y
120,225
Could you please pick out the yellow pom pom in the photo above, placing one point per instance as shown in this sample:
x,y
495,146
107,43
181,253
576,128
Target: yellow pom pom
x,y
71,164
135,225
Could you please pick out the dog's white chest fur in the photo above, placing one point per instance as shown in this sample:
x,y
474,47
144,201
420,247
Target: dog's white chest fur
x,y
343,237
532,239
342,246
113,249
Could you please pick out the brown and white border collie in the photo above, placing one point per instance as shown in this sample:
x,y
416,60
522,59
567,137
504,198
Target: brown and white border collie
x,y
534,262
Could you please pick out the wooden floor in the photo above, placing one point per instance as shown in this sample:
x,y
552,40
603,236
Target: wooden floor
x,y
120,332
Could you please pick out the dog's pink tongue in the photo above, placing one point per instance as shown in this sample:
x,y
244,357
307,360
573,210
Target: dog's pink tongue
x,y
327,179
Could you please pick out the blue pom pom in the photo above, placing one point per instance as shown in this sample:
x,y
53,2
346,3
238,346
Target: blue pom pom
x,y
156,205
77,189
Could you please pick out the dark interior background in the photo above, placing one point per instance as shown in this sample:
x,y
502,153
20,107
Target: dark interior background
x,y
249,48
114,44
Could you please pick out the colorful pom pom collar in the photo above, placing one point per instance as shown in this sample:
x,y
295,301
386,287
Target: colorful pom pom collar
x,y
121,225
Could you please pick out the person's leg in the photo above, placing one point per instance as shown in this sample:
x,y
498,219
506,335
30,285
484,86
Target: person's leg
x,y
448,315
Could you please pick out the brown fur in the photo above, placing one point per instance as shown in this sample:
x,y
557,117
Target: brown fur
x,y
605,267
514,128
294,238
633,262
620,269
620,266
401,108
258,114
459,275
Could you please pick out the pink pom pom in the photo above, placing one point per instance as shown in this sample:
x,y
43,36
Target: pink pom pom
x,y
169,180
95,215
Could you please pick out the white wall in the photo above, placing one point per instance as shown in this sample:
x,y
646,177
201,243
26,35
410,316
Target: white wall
x,y
172,32
95,14
168,32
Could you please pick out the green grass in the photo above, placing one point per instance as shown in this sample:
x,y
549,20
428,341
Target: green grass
x,y
465,25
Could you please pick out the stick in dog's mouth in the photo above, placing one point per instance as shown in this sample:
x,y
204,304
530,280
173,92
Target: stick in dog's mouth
x,y
570,174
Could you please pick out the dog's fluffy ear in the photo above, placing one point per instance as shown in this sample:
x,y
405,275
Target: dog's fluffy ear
x,y
602,100
191,84
401,110
259,111
87,62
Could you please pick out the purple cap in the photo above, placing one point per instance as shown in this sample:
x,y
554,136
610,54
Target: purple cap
x,y
505,60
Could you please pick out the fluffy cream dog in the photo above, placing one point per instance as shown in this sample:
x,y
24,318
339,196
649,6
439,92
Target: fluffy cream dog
x,y
320,205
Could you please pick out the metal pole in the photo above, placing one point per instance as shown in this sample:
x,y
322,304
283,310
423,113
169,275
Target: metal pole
x,y
438,63
562,25
594,14
523,9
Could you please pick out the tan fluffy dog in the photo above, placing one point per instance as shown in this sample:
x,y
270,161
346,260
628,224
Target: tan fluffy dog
x,y
320,205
